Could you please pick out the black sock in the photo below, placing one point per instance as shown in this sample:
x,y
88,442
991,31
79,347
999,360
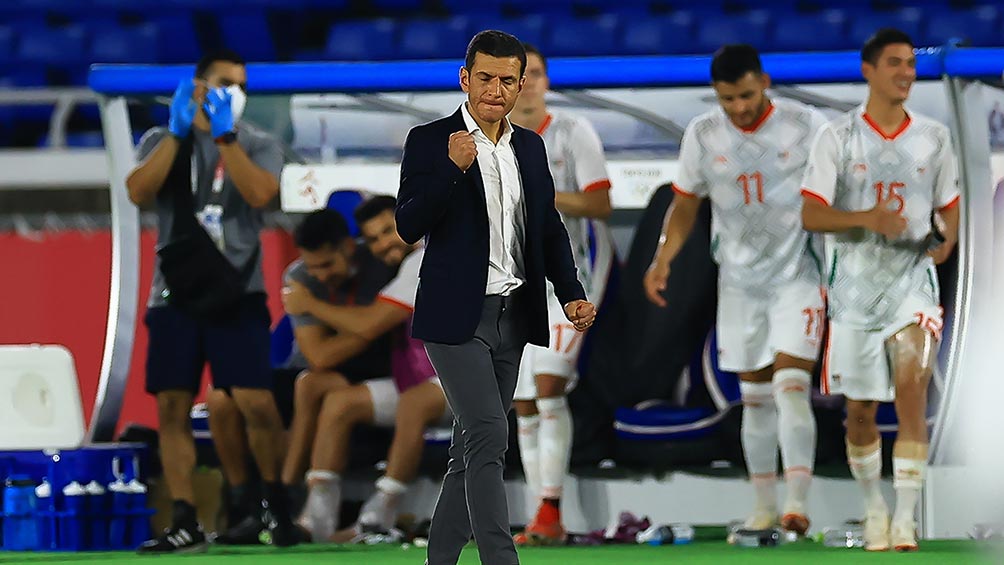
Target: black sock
x,y
240,504
184,515
276,499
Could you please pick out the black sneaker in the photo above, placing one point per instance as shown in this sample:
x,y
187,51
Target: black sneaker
x,y
178,539
246,532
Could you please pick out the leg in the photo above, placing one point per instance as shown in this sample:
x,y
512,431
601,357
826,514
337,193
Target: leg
x,y
759,439
451,521
419,407
864,455
309,392
528,429
177,448
912,351
340,412
555,452
797,435
226,424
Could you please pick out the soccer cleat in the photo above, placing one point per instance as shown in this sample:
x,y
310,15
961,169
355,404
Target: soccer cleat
x,y
546,528
794,522
176,540
876,532
904,535
761,520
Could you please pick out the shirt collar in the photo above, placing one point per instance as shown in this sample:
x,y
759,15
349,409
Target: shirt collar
x,y
472,126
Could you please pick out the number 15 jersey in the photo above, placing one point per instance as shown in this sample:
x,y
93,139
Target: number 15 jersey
x,y
753,176
853,162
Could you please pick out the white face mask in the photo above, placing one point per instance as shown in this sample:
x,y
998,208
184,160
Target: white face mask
x,y
238,100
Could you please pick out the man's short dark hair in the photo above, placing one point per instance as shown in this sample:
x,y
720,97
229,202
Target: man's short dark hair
x,y
207,60
872,49
733,62
531,49
320,228
372,208
496,44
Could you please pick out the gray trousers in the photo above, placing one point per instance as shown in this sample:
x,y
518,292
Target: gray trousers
x,y
479,379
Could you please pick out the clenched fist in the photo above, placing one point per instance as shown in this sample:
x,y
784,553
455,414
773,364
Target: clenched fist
x,y
463,151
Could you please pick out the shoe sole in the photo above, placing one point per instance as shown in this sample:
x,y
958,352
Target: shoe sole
x,y
197,548
906,548
545,541
795,523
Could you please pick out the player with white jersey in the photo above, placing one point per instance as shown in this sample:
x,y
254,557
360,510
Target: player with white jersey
x,y
748,157
582,196
876,177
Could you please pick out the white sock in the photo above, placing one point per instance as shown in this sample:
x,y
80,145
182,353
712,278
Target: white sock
x,y
324,501
759,435
381,508
528,430
555,444
866,466
797,434
908,479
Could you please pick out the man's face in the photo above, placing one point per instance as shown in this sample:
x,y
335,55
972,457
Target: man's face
x,y
893,74
492,85
535,85
744,101
330,264
220,74
380,233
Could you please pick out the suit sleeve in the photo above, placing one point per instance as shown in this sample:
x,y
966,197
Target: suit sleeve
x,y
559,266
426,185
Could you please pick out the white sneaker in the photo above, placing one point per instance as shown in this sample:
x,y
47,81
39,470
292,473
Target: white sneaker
x,y
904,535
877,530
761,519
377,515
321,513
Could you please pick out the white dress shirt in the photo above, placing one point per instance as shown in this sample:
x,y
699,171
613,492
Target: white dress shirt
x,y
506,214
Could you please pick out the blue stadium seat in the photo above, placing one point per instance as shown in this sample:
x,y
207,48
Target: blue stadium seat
x,y
177,41
433,39
362,40
550,7
747,27
282,342
248,33
820,31
865,25
345,203
125,45
981,26
527,28
16,75
398,5
52,46
6,44
658,35
581,36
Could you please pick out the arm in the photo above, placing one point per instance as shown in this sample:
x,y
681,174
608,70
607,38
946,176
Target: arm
x,y
325,351
425,192
368,322
818,216
592,204
679,222
147,178
257,186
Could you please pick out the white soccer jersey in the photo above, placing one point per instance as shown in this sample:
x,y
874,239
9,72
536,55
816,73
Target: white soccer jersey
x,y
868,275
577,164
402,289
753,176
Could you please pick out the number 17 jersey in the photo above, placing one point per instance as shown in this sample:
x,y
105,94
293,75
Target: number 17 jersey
x,y
753,176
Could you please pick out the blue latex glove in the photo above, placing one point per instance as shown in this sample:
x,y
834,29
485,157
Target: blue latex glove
x,y
182,109
217,107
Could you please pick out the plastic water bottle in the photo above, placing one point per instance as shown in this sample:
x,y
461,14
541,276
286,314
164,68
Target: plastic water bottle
x,y
44,518
771,537
72,525
666,534
850,535
20,531
118,526
139,519
97,507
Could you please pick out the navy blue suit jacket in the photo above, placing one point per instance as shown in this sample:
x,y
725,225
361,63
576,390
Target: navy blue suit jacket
x,y
447,207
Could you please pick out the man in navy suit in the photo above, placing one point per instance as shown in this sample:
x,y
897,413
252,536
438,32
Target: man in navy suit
x,y
479,190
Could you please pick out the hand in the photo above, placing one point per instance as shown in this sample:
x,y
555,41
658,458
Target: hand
x,y
581,313
463,151
219,112
655,282
941,253
296,299
884,221
183,109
